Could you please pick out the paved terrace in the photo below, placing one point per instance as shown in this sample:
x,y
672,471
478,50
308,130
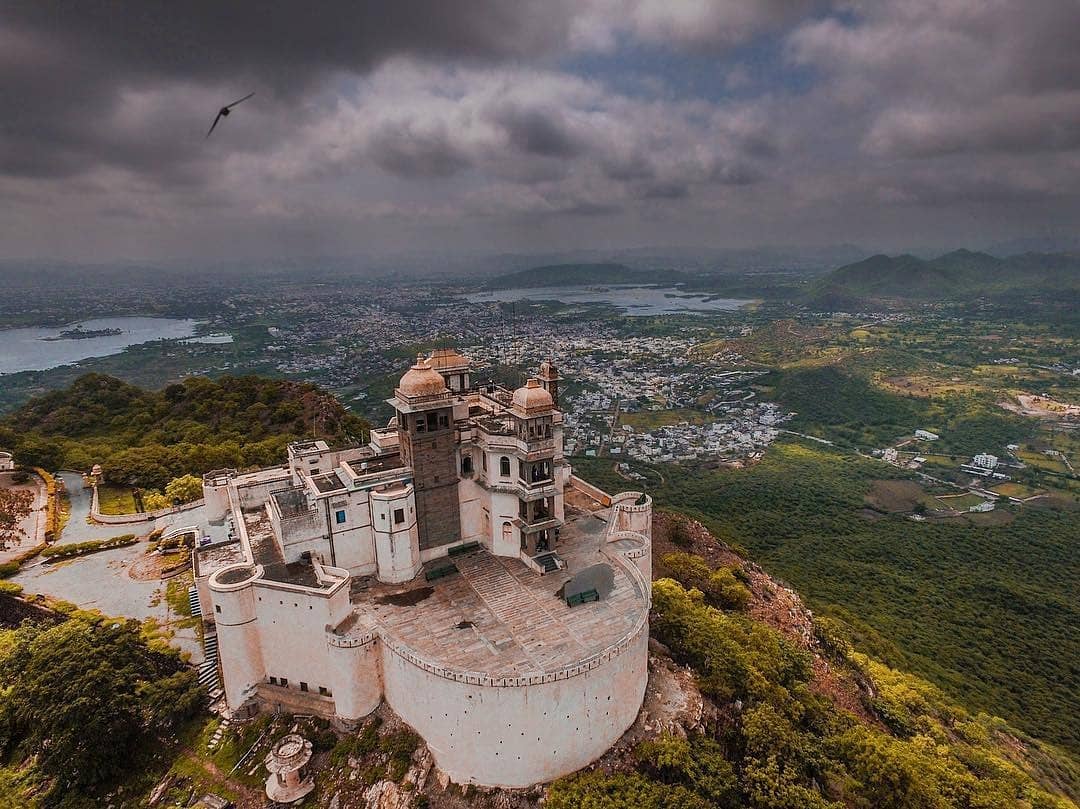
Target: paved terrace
x,y
499,617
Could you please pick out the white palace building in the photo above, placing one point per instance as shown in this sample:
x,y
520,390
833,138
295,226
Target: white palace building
x,y
453,567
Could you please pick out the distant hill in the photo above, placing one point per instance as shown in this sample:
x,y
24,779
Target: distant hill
x,y
557,275
955,275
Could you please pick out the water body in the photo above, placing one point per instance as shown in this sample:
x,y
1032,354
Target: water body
x,y
633,300
39,348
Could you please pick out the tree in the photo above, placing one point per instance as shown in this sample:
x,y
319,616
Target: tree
x,y
184,489
40,452
154,500
15,504
86,697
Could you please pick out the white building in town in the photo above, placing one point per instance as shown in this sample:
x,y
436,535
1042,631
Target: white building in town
x,y
7,462
453,567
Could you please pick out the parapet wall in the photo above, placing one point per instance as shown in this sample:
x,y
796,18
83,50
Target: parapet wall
x,y
533,731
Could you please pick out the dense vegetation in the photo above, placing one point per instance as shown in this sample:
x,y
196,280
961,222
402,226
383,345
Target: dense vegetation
x,y
953,276
776,743
842,405
149,438
987,612
84,701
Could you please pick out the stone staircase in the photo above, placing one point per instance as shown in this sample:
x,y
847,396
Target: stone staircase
x,y
548,561
208,670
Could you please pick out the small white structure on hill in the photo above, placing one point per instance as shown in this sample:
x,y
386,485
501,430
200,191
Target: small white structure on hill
x,y
7,463
926,435
982,464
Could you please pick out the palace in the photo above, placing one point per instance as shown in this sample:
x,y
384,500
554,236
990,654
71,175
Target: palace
x,y
454,567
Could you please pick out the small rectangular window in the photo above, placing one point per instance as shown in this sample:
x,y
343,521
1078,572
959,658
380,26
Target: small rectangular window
x,y
399,516
285,682
340,517
217,608
303,687
273,681
324,691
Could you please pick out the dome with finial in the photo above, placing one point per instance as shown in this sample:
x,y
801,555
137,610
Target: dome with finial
x,y
532,399
421,381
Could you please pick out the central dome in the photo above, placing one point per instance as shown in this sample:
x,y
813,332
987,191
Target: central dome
x,y
421,380
532,398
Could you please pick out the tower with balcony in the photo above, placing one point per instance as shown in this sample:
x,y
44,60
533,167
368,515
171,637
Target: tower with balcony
x,y
426,436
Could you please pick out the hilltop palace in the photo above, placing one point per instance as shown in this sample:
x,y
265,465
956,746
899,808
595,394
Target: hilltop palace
x,y
453,567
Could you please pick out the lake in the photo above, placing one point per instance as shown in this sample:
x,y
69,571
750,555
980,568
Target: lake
x,y
633,300
38,348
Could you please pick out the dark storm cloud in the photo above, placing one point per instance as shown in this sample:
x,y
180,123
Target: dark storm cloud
x,y
65,67
538,131
421,118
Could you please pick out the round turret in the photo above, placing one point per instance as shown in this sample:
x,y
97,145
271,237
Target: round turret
x,y
532,399
421,381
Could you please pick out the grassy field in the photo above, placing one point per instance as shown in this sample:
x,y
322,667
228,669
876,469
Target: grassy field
x,y
115,499
651,419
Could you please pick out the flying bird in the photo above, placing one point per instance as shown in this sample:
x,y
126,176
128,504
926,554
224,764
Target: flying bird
x,y
224,111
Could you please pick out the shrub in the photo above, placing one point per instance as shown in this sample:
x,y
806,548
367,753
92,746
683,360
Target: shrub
x,y
720,587
83,548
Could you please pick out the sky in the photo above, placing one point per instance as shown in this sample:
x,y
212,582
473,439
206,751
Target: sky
x,y
500,125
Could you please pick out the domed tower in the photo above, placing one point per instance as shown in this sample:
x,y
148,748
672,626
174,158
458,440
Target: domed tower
x,y
425,417
549,380
540,499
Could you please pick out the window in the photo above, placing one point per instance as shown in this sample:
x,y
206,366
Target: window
x,y
217,608
399,516
340,517
273,681
285,682
433,421
303,687
324,691
444,420
419,424
483,459
504,466
466,465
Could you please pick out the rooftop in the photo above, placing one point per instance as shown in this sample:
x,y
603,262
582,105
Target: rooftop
x,y
501,618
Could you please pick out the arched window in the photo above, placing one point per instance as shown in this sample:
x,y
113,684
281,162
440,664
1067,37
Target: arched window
x,y
504,466
466,465
507,532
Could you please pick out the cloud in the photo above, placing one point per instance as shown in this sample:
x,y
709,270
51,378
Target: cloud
x,y
709,26
944,77
496,122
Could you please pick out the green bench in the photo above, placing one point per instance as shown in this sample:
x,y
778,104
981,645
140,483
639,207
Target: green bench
x,y
584,597
440,572
468,547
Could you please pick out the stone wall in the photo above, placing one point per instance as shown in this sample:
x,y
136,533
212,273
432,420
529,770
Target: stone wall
x,y
519,735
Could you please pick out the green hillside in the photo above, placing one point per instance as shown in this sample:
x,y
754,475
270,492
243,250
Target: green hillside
x,y
958,275
150,437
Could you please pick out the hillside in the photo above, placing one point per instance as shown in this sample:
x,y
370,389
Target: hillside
x,y
555,275
984,611
960,274
149,437
753,702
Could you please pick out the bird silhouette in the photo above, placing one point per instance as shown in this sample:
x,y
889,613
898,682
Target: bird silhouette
x,y
224,112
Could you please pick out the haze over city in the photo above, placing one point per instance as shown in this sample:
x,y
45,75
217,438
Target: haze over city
x,y
492,126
